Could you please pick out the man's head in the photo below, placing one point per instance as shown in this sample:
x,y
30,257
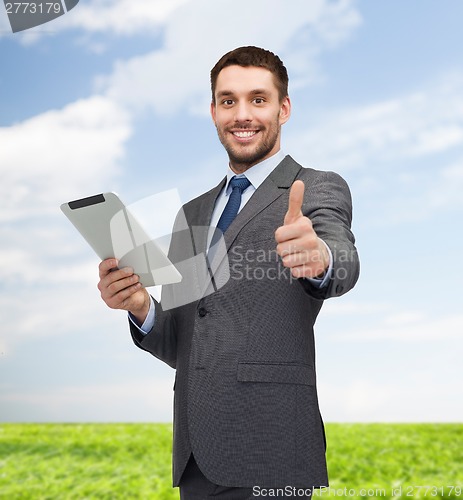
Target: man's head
x,y
253,56
250,103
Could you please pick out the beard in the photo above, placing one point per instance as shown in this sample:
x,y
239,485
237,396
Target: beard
x,y
244,156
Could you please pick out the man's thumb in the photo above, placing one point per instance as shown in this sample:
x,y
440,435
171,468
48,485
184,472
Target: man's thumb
x,y
296,197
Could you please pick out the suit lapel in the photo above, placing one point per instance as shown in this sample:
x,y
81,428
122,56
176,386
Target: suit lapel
x,y
272,188
200,219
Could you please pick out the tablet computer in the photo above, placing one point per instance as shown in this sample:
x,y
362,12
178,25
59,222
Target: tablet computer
x,y
112,231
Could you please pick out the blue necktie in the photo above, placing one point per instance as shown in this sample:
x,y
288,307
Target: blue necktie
x,y
238,184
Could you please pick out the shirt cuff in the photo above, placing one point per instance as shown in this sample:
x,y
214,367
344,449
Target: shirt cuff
x,y
324,280
149,320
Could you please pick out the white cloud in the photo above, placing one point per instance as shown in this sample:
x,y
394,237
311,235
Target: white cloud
x,y
206,31
149,400
388,358
338,21
4,24
343,306
117,17
362,400
177,75
57,303
46,268
56,155
407,326
422,123
446,192
121,17
453,172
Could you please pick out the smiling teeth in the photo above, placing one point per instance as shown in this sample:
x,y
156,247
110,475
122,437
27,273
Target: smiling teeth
x,y
244,134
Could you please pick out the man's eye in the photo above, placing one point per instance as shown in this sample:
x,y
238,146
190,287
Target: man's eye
x,y
227,102
259,100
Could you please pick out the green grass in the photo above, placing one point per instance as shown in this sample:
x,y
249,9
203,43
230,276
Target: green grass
x,y
94,461
124,461
397,455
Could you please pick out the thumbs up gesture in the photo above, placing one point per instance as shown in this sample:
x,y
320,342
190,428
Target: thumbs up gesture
x,y
297,243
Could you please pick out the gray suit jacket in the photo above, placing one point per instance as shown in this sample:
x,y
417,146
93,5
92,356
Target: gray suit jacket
x,y
245,398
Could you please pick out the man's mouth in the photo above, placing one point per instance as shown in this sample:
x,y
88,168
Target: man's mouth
x,y
244,134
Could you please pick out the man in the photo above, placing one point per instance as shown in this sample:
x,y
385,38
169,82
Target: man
x,y
246,417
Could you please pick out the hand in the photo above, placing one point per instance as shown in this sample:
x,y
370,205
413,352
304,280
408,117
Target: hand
x,y
297,243
121,289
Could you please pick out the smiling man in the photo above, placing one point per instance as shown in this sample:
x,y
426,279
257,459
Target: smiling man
x,y
246,416
248,112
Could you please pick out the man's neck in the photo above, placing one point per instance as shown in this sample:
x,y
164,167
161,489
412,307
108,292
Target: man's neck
x,y
240,168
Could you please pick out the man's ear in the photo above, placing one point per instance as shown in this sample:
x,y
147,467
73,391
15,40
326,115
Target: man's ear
x,y
213,111
285,110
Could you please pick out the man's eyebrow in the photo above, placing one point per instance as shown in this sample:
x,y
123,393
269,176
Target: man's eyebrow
x,y
259,92
224,93
227,93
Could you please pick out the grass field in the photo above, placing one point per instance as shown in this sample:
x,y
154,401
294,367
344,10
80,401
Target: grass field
x,y
133,461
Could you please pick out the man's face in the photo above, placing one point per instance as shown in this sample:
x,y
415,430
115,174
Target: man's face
x,y
248,115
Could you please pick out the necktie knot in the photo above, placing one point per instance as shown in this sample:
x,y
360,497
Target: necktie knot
x,y
239,182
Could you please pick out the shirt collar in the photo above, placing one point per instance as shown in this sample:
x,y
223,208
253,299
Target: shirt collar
x,y
258,172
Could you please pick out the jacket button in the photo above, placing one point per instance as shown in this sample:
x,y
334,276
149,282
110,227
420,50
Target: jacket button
x,y
202,312
339,289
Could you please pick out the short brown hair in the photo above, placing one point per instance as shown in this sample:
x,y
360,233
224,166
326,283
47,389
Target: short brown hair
x,y
253,56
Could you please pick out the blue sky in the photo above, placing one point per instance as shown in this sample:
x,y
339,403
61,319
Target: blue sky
x,y
114,96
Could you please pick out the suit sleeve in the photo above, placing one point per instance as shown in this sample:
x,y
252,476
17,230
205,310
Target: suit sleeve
x,y
328,204
161,340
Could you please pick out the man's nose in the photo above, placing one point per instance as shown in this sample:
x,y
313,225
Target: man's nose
x,y
243,112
